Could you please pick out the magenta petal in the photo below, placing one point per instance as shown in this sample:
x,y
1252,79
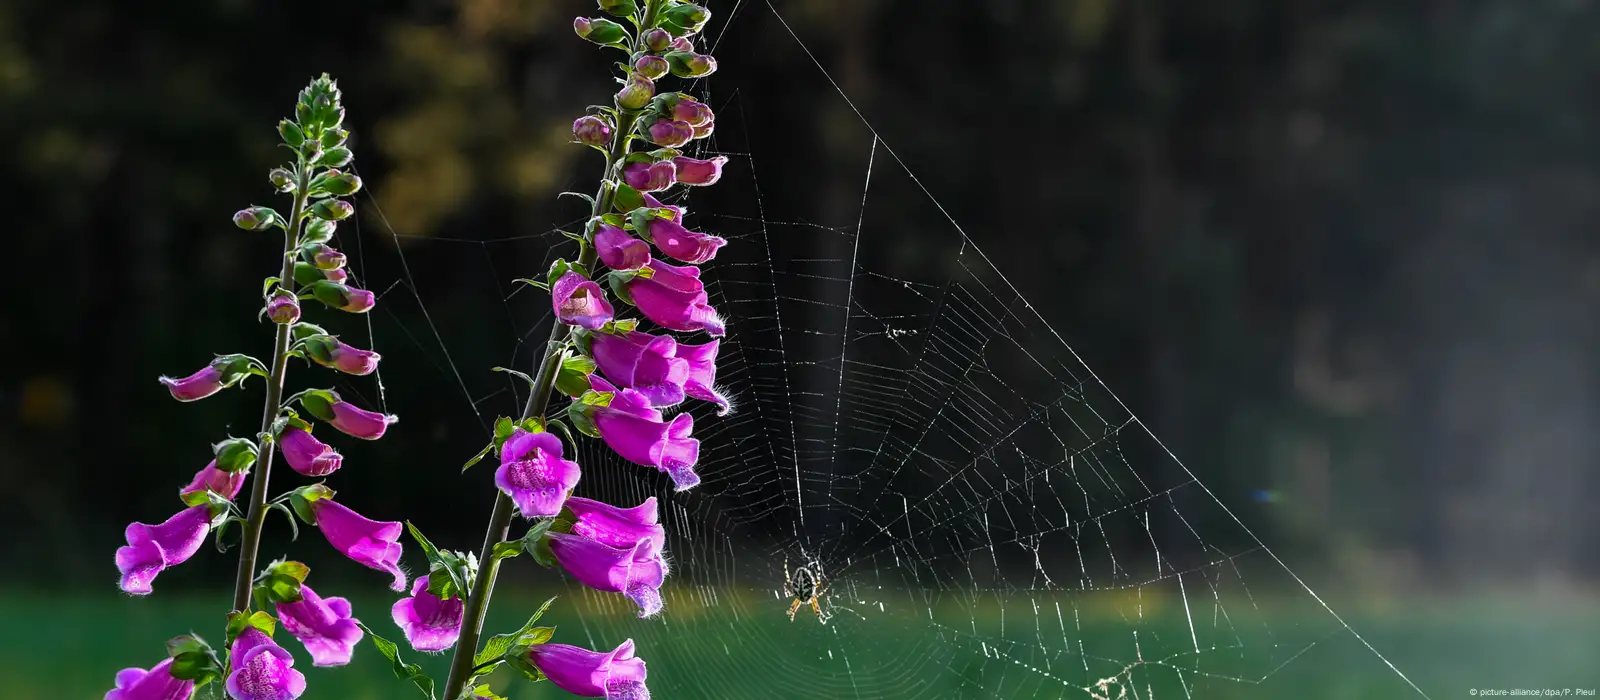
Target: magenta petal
x,y
682,244
430,624
325,627
262,670
212,479
534,475
637,572
371,543
675,299
578,301
695,172
615,675
307,455
157,684
617,527
153,548
702,379
619,250
643,362
359,422
196,386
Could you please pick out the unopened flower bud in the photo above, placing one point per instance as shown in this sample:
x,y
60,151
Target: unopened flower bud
x,y
618,8
339,275
341,297
592,130
333,138
650,177
701,132
254,218
685,19
282,180
688,109
699,173
332,209
651,67
600,31
657,40
337,157
320,230
323,256
637,93
681,43
687,64
291,133
283,309
329,352
338,184
670,134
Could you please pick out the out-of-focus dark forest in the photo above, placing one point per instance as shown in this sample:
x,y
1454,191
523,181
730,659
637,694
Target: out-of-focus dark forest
x,y
1341,256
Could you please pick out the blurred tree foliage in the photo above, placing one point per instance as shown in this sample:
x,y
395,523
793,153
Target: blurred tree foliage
x,y
1337,254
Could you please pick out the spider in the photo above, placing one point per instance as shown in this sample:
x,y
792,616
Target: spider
x,y
805,585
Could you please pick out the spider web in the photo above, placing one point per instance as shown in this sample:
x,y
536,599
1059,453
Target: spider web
x,y
989,518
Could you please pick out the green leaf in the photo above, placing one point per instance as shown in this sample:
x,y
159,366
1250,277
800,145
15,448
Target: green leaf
x,y
235,454
535,544
281,581
619,286
220,530
453,583
627,198
506,549
193,660
477,457
402,670
503,426
579,195
302,498
482,692
578,413
260,619
573,377
319,402
294,524
497,646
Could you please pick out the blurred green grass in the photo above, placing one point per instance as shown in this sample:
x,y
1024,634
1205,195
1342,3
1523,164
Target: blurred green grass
x,y
743,647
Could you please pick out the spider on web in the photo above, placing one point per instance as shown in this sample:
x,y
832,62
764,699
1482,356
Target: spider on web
x,y
806,585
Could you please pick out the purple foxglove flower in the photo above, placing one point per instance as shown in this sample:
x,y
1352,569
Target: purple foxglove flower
x,y
330,352
323,625
675,299
196,386
578,301
680,243
688,109
617,527
635,431
326,258
651,67
307,455
650,177
701,132
636,572
283,309
699,173
702,380
153,548
155,684
430,624
341,276
644,363
534,475
262,670
212,479
592,130
619,250
370,543
670,134
358,301
359,422
614,675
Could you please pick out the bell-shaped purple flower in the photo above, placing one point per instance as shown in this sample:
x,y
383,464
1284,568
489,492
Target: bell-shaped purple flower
x,y
650,177
259,669
675,299
680,243
155,684
307,455
196,386
702,380
153,548
534,475
578,301
371,543
644,363
333,353
614,675
283,309
636,572
323,625
617,527
670,134
430,624
210,478
619,250
699,173
359,422
688,109
635,431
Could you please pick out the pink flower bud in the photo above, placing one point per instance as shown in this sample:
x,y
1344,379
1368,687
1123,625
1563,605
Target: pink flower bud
x,y
283,309
688,109
688,64
359,422
657,40
330,352
701,132
254,218
650,177
618,250
699,173
212,479
651,67
637,93
307,455
670,134
680,243
592,130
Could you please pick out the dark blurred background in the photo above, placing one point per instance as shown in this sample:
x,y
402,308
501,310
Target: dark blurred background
x,y
1339,256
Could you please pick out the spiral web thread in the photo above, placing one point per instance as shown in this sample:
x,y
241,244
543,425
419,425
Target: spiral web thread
x,y
988,517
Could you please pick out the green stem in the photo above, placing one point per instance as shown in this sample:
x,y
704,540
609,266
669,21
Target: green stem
x,y
250,543
461,666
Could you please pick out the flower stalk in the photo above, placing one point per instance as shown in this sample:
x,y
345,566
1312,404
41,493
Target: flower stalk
x,y
256,515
